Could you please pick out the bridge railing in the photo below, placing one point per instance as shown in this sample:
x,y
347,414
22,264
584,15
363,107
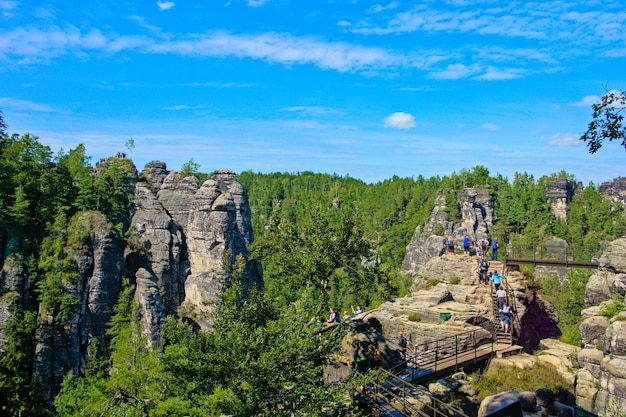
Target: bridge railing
x,y
431,352
409,399
545,252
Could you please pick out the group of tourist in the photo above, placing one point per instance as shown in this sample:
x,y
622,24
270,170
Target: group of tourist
x,y
482,246
335,318
502,302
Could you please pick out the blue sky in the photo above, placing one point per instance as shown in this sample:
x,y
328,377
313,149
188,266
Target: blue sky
x,y
361,88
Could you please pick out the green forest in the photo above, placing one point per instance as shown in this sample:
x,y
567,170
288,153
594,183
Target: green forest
x,y
263,356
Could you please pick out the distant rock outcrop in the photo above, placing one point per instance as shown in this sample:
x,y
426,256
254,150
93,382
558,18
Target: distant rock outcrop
x,y
614,190
559,194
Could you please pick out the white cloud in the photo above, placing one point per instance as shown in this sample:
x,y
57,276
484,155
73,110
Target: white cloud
x,y
400,120
257,3
185,107
493,73
7,7
14,103
490,126
28,45
165,5
382,7
587,101
564,139
313,110
454,72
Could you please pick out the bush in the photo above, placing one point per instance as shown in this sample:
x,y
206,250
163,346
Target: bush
x,y
414,317
509,378
455,280
431,283
613,309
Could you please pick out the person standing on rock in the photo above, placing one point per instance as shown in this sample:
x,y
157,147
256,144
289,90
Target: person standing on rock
x,y
402,342
494,249
484,245
466,245
450,245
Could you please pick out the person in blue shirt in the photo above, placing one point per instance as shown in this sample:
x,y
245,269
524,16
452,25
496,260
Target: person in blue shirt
x,y
496,280
466,245
494,250
357,311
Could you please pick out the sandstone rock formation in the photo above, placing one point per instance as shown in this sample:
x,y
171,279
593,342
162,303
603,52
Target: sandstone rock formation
x,y
450,284
559,194
188,229
614,190
100,261
182,238
601,379
476,209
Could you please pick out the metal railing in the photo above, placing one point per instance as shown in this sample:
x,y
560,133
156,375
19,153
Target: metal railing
x,y
560,254
410,399
434,351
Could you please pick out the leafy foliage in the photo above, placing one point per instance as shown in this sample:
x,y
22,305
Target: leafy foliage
x,y
307,259
607,121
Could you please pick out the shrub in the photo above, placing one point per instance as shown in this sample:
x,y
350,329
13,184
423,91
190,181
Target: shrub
x,y
431,283
414,317
613,309
455,280
509,378
438,230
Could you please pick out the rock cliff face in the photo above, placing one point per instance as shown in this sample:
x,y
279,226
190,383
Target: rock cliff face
x,y
601,380
183,236
60,348
476,209
615,190
190,229
559,194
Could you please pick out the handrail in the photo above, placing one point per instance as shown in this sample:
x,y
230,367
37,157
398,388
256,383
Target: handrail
x,y
566,255
401,403
433,351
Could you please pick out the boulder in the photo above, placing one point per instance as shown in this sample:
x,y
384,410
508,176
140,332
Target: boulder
x,y
592,331
616,338
614,256
598,287
590,359
586,389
